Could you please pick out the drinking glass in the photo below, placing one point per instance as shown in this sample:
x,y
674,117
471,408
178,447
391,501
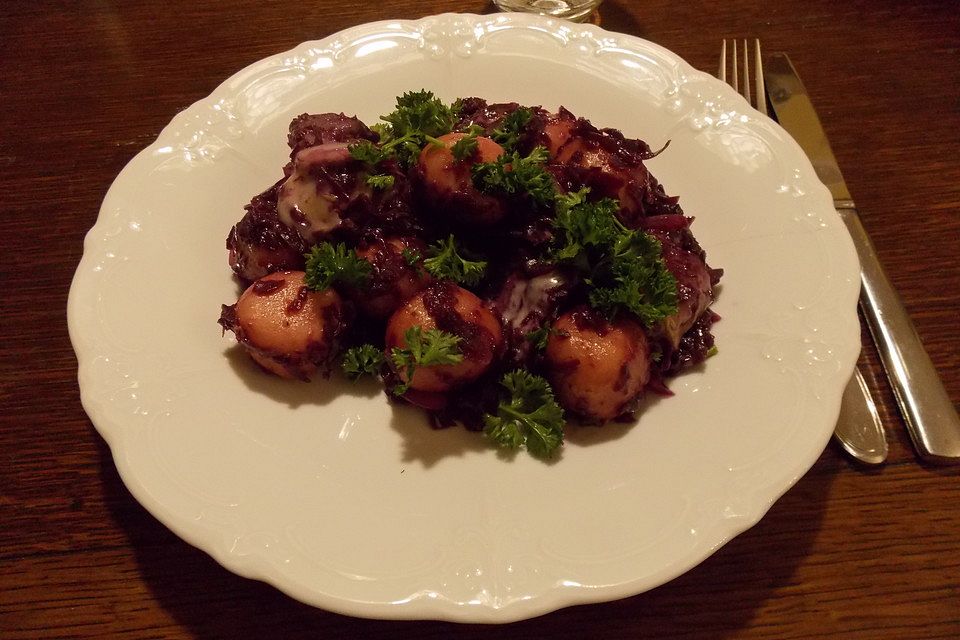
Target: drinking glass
x,y
576,10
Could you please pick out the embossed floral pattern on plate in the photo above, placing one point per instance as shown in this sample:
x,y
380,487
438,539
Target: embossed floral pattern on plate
x,y
348,503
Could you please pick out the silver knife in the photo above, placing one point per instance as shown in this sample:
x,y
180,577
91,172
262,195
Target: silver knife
x,y
929,413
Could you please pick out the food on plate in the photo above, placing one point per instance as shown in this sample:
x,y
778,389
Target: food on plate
x,y
501,266
444,180
597,365
453,311
393,279
287,328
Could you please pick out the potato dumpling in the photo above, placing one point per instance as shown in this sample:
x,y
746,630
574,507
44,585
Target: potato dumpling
x,y
446,184
694,289
557,131
325,188
286,328
447,307
260,243
393,279
597,367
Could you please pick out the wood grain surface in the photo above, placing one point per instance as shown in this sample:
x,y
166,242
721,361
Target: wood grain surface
x,y
848,552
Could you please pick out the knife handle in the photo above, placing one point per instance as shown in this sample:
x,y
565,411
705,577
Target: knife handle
x,y
929,413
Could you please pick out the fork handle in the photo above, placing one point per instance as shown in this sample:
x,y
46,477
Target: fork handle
x,y
929,413
859,429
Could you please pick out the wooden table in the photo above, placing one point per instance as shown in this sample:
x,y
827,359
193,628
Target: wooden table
x,y
848,552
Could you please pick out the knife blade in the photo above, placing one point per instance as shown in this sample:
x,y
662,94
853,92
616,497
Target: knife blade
x,y
927,410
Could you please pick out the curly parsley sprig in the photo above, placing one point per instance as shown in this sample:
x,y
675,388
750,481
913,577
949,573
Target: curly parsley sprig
x,y
420,113
363,360
529,417
539,337
583,228
424,348
411,256
420,118
447,263
329,264
380,181
367,152
466,147
623,268
637,280
515,175
507,135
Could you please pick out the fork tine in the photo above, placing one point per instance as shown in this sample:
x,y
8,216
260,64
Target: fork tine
x,y
735,83
722,72
758,72
746,74
739,69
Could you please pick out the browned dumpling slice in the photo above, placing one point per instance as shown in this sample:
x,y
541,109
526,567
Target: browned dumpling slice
x,y
446,184
394,276
598,368
452,309
286,328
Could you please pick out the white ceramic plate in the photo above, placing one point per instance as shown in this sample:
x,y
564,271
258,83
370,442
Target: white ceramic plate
x,y
350,504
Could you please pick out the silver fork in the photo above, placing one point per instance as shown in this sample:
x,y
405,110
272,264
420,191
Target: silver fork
x,y
859,429
760,104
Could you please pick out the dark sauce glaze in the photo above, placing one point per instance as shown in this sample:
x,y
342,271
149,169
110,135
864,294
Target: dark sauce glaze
x,y
440,300
308,130
295,306
694,348
588,319
459,207
267,287
388,265
260,244
228,318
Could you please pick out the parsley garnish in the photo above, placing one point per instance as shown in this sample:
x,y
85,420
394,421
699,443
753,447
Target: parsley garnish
x,y
538,338
367,152
411,256
420,113
508,133
465,147
419,118
530,416
328,264
624,268
512,174
372,155
581,227
358,361
380,181
424,348
446,263
637,280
